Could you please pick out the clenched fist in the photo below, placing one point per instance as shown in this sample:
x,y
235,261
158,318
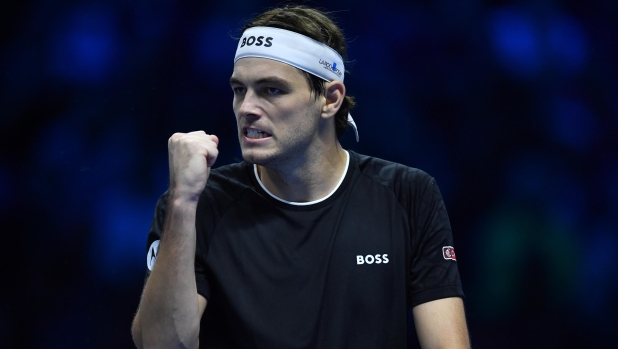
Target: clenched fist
x,y
191,155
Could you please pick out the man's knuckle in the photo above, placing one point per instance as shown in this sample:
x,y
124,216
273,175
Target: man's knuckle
x,y
176,137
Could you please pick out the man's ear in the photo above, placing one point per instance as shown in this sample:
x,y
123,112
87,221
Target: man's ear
x,y
335,93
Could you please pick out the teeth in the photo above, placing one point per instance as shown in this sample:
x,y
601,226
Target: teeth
x,y
253,133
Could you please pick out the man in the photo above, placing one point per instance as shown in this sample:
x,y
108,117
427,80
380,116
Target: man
x,y
304,244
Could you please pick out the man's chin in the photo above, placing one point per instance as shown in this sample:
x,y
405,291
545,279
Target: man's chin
x,y
256,157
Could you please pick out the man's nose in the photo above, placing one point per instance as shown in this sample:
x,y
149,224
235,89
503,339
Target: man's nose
x,y
250,105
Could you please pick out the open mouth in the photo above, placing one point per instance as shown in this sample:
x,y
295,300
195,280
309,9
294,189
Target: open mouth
x,y
256,134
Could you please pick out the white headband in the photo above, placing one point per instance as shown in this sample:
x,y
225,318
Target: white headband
x,y
296,50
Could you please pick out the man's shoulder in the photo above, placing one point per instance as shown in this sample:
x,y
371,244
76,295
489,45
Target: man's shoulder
x,y
391,174
230,177
230,171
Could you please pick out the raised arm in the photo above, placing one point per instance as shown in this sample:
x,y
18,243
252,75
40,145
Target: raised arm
x,y
170,309
441,324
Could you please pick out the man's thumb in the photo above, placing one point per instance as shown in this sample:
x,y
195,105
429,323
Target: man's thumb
x,y
215,139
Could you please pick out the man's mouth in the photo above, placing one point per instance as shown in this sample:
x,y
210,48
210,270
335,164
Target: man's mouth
x,y
256,134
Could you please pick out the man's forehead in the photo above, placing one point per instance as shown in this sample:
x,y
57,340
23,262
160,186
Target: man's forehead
x,y
253,68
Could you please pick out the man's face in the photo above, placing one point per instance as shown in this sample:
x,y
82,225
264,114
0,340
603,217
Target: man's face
x,y
276,113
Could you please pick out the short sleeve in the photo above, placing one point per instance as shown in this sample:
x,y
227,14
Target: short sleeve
x,y
154,239
433,270
155,233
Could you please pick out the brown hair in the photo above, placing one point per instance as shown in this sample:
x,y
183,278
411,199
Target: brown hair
x,y
320,27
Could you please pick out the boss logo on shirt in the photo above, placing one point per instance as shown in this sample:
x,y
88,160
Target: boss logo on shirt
x,y
370,259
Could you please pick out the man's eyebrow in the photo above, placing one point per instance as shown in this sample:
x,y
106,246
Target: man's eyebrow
x,y
262,81
273,80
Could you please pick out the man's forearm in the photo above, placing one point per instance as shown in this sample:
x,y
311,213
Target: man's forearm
x,y
441,324
168,314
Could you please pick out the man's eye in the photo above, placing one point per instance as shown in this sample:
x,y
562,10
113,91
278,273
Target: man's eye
x,y
238,89
273,90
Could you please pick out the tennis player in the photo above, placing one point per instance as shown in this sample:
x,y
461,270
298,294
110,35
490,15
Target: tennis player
x,y
304,244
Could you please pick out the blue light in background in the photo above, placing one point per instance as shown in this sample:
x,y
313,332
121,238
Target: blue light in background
x,y
153,22
568,44
215,47
515,39
402,25
121,226
117,152
85,48
608,180
159,172
546,180
60,143
56,165
528,175
72,311
612,191
600,269
567,200
503,249
5,189
373,49
572,124
121,215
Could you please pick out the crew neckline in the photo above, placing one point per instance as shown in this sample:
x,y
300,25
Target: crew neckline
x,y
293,203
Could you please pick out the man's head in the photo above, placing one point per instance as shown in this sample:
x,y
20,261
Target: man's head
x,y
313,24
318,26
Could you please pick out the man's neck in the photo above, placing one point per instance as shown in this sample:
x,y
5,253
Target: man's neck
x,y
308,181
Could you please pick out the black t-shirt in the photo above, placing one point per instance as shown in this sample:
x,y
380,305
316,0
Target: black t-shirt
x,y
339,273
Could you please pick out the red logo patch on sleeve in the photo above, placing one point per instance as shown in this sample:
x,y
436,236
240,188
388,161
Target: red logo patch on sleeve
x,y
449,253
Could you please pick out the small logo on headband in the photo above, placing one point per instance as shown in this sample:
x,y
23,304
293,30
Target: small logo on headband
x,y
331,67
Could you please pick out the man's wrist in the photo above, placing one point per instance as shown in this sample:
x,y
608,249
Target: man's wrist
x,y
183,199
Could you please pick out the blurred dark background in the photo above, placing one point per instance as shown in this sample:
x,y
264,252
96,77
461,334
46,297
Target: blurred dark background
x,y
511,105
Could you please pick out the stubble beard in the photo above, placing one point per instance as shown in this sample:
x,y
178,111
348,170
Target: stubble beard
x,y
292,146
